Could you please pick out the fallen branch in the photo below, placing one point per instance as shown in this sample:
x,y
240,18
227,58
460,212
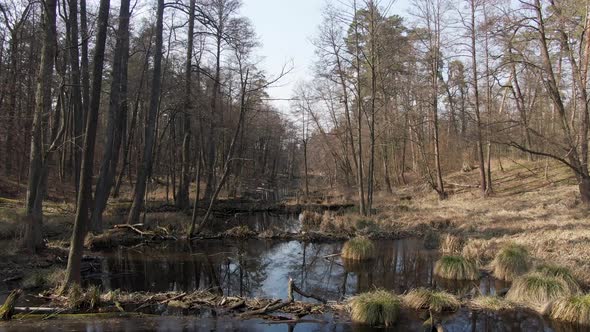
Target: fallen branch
x,y
272,306
133,228
294,288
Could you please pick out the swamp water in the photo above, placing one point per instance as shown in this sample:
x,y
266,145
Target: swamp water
x,y
261,268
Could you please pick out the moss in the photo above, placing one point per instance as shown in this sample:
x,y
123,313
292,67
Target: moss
x,y
512,261
456,268
536,290
435,301
359,248
375,308
560,272
574,309
491,303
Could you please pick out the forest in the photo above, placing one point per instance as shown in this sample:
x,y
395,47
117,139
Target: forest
x,y
429,174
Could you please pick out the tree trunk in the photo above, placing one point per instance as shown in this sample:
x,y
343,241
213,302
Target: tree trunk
x,y
146,166
85,192
32,239
112,145
182,197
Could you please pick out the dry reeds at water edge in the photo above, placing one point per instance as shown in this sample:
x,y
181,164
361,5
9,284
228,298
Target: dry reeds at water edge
x,y
359,248
375,308
456,268
511,261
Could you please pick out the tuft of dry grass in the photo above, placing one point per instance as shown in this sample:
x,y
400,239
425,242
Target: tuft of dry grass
x,y
491,303
435,301
574,309
452,244
560,272
456,268
511,261
379,307
359,248
536,290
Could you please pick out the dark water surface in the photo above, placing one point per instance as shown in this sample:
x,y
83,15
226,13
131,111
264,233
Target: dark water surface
x,y
261,268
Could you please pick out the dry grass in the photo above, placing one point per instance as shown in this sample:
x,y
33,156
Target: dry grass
x,y
456,268
47,278
536,290
529,207
511,261
359,248
575,310
491,303
375,308
310,219
452,244
427,299
562,273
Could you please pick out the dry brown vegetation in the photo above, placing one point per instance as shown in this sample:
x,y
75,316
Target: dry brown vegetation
x,y
532,205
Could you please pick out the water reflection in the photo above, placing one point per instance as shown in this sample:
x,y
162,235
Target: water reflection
x,y
262,268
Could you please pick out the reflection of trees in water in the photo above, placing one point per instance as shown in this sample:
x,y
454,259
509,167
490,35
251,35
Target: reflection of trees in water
x,y
399,266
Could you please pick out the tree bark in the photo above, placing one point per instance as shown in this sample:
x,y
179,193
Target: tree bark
x,y
32,239
146,166
115,123
85,190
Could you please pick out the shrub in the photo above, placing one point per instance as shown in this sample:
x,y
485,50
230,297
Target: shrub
x,y
456,268
536,290
575,310
375,308
435,301
511,262
359,248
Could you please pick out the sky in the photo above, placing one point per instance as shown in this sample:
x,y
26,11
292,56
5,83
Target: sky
x,y
285,29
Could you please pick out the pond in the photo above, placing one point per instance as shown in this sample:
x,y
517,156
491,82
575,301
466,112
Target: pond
x,y
262,268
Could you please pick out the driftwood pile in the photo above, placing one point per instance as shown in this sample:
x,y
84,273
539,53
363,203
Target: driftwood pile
x,y
117,303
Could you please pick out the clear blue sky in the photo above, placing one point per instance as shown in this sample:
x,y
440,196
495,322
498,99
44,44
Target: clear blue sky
x,y
285,28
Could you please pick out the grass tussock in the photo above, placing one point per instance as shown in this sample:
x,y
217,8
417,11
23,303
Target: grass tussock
x,y
562,273
536,290
359,248
575,310
375,308
452,245
511,261
435,301
491,303
456,268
